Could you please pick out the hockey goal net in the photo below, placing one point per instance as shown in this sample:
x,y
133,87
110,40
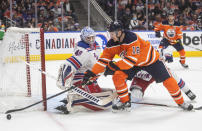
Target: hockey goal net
x,y
21,54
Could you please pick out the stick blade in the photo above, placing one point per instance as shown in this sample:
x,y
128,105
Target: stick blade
x,y
198,108
10,111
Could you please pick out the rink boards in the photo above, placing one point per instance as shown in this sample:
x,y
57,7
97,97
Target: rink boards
x,y
59,46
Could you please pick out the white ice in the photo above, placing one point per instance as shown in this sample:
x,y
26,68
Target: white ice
x,y
141,118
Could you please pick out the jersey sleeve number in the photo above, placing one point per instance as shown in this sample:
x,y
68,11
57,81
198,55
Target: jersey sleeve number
x,y
78,52
136,50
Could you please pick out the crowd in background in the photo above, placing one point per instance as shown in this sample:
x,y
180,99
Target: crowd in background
x,y
49,14
133,12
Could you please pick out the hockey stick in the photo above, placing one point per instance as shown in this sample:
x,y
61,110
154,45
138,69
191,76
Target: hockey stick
x,y
163,105
193,47
20,109
79,91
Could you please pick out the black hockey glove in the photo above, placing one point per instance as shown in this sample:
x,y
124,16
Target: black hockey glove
x,y
88,78
168,58
111,68
158,34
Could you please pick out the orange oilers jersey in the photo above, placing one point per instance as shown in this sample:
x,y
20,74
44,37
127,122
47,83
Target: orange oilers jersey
x,y
135,50
171,32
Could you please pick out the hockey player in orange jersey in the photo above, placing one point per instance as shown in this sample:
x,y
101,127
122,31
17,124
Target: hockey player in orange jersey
x,y
139,54
172,36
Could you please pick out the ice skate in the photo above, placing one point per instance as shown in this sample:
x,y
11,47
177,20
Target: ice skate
x,y
190,94
184,65
186,106
119,106
63,109
64,101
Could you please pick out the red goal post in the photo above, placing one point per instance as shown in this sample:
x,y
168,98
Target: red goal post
x,y
17,52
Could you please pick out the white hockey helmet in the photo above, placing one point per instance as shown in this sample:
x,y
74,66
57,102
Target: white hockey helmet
x,y
88,35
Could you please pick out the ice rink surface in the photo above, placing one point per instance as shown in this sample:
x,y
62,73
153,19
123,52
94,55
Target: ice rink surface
x,y
141,118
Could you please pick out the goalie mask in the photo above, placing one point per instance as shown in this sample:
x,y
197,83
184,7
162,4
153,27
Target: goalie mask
x,y
88,35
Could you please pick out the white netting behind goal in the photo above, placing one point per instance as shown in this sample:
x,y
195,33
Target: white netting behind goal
x,y
20,84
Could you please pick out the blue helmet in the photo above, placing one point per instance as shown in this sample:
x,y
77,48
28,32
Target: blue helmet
x,y
86,34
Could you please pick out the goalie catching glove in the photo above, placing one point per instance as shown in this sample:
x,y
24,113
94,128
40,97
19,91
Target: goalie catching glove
x,y
65,76
89,77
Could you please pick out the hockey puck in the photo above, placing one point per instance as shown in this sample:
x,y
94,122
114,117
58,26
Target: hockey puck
x,y
8,116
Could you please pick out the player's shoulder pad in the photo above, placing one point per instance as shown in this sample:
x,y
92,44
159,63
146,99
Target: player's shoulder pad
x,y
129,37
111,43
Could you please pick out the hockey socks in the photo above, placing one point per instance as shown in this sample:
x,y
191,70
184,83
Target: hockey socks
x,y
174,90
186,90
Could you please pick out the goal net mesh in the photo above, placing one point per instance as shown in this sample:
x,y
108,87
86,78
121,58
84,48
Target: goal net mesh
x,y
20,57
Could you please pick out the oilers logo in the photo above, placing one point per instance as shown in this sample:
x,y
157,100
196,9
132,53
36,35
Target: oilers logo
x,y
171,33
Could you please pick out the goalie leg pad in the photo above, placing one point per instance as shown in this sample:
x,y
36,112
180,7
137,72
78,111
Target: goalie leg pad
x,y
65,76
80,101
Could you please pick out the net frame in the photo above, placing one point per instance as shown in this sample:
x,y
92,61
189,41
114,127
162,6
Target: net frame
x,y
26,32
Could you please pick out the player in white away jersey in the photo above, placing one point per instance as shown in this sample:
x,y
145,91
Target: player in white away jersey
x,y
85,55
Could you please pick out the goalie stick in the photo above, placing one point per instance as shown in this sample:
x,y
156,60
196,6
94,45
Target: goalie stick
x,y
163,105
79,91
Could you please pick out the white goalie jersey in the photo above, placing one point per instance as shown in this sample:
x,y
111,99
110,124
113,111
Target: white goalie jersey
x,y
83,58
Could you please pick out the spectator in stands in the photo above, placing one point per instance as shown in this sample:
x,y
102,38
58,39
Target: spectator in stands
x,y
157,10
181,20
24,11
184,4
199,21
140,5
126,18
133,22
67,6
193,21
76,27
168,8
57,10
51,27
110,7
185,7
158,20
133,9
